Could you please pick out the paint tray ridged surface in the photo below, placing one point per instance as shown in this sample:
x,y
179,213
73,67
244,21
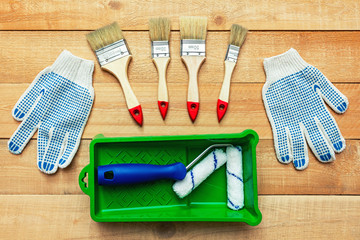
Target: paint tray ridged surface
x,y
156,201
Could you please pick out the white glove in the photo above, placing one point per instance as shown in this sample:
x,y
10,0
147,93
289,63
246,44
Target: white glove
x,y
293,97
58,103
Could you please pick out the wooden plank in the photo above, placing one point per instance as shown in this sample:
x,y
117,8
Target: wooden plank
x,y
284,217
20,175
111,117
337,54
134,15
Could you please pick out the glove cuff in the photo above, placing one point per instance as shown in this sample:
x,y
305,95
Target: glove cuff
x,y
73,68
283,65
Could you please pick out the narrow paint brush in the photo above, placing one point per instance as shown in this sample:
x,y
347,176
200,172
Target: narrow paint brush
x,y
159,30
237,38
193,35
114,56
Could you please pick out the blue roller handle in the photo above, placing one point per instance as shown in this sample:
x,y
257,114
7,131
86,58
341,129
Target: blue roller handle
x,y
128,173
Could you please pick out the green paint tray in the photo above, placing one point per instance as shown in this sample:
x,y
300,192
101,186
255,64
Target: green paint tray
x,y
156,201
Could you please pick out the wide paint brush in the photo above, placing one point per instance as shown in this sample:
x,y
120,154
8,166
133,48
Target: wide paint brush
x,y
159,29
193,35
114,56
237,38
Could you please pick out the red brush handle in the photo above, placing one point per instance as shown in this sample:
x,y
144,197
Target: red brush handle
x,y
193,109
221,109
137,114
163,107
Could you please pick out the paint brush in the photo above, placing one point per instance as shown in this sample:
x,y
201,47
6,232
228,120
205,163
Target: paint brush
x,y
159,30
237,38
193,35
114,56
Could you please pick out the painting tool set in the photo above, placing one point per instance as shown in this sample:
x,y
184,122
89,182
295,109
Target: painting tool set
x,y
175,178
114,56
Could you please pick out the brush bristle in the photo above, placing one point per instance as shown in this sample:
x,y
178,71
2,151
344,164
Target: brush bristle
x,y
104,36
193,27
237,35
159,29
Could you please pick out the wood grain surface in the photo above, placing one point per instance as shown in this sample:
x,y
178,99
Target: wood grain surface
x,y
284,217
336,54
322,202
135,14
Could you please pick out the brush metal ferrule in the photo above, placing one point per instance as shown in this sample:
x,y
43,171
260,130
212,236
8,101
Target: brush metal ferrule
x,y
192,47
232,53
160,49
112,52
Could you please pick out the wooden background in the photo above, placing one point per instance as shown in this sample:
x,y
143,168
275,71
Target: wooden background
x,y
321,202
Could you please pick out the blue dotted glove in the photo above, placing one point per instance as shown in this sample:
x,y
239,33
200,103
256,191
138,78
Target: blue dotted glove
x,y
58,103
293,97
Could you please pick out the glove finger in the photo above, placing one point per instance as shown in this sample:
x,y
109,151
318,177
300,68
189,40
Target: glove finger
x,y
282,145
71,146
317,142
26,129
30,96
332,96
53,151
42,143
332,132
299,148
